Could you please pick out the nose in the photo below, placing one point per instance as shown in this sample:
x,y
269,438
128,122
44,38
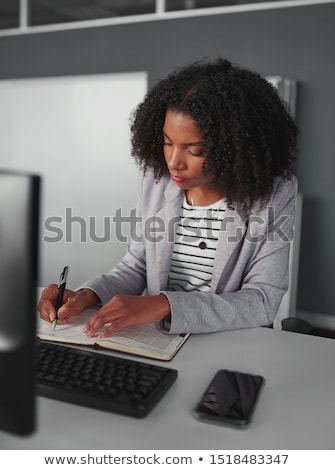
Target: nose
x,y
175,158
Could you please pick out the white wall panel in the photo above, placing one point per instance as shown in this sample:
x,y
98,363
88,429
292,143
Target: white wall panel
x,y
74,131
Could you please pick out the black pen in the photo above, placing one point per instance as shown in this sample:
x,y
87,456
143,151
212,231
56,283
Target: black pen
x,y
60,295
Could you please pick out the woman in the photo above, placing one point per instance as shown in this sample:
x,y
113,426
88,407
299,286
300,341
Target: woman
x,y
216,147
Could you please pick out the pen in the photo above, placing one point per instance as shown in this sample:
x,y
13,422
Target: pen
x,y
60,295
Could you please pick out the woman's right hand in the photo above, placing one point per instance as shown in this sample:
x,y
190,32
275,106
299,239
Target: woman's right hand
x,y
74,302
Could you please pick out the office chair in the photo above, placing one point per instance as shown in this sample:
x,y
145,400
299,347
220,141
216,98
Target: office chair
x,y
297,325
287,308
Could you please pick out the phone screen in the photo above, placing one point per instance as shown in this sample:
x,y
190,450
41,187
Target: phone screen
x,y
230,398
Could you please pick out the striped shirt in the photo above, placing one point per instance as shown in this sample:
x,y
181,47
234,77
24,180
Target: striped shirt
x,y
196,240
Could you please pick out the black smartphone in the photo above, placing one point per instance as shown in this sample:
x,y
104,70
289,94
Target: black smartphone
x,y
230,398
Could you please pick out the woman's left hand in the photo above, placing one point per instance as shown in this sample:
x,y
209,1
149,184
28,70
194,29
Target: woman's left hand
x,y
125,310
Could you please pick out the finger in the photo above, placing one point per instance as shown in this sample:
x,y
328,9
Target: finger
x,y
72,306
46,305
92,327
50,292
103,329
47,310
113,327
98,320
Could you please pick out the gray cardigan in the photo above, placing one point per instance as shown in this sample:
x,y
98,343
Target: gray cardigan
x,y
251,265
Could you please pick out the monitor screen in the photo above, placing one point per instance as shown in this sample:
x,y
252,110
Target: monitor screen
x,y
19,214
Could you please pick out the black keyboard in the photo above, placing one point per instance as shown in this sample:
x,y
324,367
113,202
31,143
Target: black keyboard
x,y
108,383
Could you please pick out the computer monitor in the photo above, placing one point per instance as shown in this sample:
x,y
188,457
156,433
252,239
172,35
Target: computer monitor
x,y
19,214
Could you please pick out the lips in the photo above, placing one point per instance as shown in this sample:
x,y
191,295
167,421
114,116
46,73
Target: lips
x,y
177,179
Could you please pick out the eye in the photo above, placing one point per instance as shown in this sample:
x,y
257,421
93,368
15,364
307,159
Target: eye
x,y
166,140
196,152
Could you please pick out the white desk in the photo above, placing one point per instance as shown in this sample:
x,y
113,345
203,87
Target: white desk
x,y
296,409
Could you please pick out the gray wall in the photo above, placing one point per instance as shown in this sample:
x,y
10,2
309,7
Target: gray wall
x,y
293,42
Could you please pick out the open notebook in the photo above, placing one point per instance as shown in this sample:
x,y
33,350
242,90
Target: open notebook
x,y
140,340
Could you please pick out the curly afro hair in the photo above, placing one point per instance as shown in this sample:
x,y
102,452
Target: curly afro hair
x,y
249,134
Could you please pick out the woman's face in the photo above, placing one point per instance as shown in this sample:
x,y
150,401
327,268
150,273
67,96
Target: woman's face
x,y
184,151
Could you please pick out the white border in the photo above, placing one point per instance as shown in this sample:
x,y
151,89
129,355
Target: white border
x,y
160,14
